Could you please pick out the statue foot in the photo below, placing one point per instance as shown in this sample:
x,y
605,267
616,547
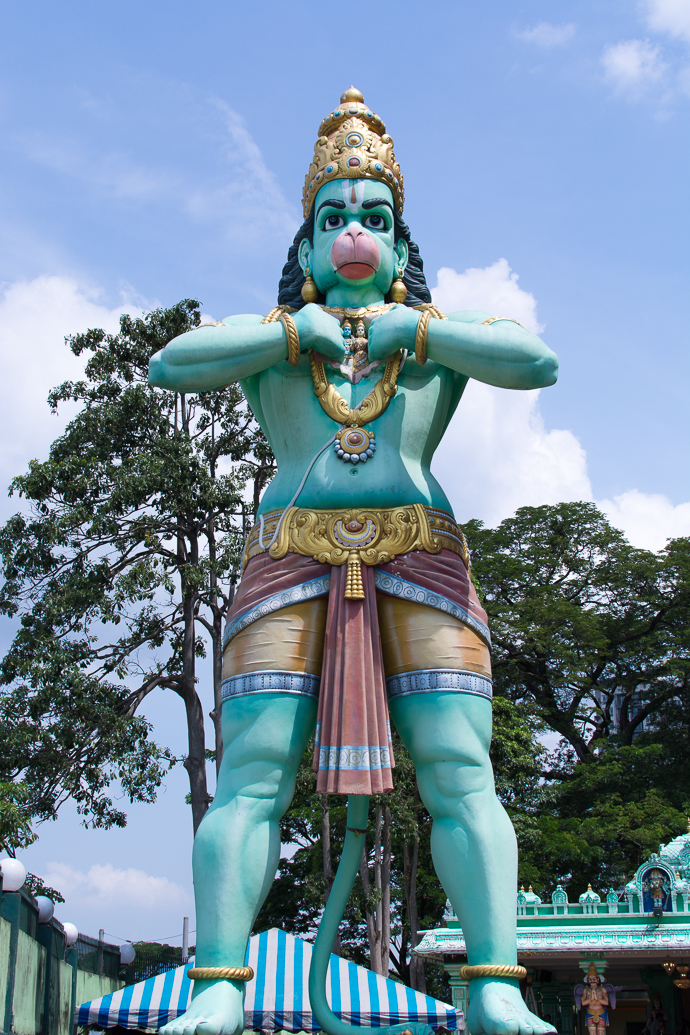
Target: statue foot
x,y
217,1010
497,1008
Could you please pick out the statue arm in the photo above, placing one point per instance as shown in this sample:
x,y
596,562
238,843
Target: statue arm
x,y
216,355
501,353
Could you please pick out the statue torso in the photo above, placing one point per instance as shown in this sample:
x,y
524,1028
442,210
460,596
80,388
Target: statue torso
x,y
407,435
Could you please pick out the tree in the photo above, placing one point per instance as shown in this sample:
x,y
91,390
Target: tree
x,y
590,638
589,631
127,556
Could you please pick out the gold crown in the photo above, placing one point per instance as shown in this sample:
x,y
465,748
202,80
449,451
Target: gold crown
x,y
353,144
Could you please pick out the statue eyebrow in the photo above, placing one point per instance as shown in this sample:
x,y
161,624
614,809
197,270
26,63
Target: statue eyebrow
x,y
373,202
330,204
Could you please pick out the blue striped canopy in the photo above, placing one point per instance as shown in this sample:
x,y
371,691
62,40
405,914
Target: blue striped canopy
x,y
277,996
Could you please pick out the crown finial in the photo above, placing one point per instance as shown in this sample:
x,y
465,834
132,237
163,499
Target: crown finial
x,y
353,94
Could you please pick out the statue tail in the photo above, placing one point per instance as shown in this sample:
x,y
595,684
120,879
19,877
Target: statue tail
x,y
357,815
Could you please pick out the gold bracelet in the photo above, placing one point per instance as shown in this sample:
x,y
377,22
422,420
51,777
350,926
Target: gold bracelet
x,y
276,312
492,970
493,319
420,337
428,310
292,338
214,973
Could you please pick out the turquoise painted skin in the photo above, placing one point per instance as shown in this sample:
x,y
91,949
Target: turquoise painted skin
x,y
237,846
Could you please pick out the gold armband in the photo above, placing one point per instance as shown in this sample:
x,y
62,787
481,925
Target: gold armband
x,y
282,313
292,338
492,970
216,973
428,310
493,319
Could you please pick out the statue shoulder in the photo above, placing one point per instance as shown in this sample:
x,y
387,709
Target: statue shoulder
x,y
243,320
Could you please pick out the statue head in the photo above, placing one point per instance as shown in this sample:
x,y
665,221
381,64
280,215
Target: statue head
x,y
353,256
353,242
593,978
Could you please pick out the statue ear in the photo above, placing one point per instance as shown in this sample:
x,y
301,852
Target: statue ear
x,y
402,252
304,254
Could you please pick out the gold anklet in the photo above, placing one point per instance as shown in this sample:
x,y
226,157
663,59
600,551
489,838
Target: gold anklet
x,y
492,970
214,973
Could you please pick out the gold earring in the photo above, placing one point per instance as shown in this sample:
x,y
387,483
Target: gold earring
x,y
398,291
310,292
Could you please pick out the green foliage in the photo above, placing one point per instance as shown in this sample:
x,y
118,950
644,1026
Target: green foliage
x,y
591,641
36,886
15,817
588,631
129,546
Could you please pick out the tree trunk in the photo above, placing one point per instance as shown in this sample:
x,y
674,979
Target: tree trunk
x,y
195,762
370,914
386,851
218,608
328,860
217,713
417,977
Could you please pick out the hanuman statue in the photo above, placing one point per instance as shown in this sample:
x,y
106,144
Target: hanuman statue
x,y
356,604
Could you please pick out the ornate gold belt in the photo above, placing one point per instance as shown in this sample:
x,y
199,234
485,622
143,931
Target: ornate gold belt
x,y
355,536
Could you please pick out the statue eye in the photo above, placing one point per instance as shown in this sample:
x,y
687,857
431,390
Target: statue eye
x,y
334,222
375,222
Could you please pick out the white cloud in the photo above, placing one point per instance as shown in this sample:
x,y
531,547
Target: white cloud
x,y
104,885
506,457
35,317
114,172
648,519
670,16
633,66
497,454
547,35
249,198
494,289
239,193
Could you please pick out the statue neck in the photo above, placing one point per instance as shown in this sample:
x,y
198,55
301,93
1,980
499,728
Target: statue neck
x,y
352,297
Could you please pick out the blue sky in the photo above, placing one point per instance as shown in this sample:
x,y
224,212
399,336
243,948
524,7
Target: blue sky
x,y
153,151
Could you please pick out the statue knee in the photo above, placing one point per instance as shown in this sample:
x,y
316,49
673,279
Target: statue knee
x,y
451,784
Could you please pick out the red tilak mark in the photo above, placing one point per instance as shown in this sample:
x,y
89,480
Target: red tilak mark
x,y
353,196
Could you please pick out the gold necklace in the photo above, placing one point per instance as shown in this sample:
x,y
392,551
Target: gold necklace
x,y
351,314
353,443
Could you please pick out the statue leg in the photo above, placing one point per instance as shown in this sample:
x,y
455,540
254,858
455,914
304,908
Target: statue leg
x,y
473,843
237,845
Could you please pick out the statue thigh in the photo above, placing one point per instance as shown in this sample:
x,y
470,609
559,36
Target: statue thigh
x,y
265,733
447,733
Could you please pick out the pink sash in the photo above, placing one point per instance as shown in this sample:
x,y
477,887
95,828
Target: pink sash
x,y
353,753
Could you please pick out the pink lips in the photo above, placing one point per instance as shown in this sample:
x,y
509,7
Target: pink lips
x,y
355,255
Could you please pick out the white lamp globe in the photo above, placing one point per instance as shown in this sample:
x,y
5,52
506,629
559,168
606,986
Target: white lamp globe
x,y
13,874
71,934
46,908
127,953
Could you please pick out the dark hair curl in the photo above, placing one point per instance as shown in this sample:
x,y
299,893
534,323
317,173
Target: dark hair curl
x,y
290,287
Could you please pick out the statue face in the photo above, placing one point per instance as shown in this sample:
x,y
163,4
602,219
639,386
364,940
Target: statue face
x,y
355,258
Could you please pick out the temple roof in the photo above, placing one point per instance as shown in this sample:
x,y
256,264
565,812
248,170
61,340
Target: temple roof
x,y
676,851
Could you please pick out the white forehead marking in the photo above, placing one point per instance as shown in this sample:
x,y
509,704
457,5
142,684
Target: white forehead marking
x,y
353,189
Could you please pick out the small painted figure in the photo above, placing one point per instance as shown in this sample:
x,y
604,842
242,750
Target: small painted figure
x,y
596,999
